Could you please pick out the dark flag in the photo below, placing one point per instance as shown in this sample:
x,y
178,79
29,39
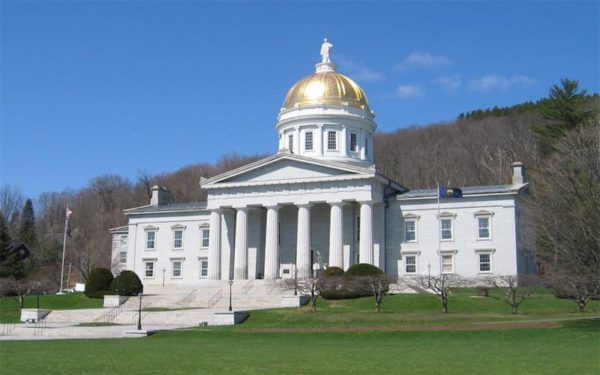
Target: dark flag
x,y
445,192
68,215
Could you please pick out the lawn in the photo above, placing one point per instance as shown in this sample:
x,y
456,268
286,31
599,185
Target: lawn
x,y
9,306
366,342
571,349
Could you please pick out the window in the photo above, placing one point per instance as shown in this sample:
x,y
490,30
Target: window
x,y
123,257
353,142
366,146
484,227
358,228
447,263
123,241
446,228
308,141
176,269
411,263
291,143
205,237
485,262
150,239
410,230
203,268
332,140
177,239
149,269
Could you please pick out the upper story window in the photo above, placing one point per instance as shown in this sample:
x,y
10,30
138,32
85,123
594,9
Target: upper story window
x,y
484,227
446,229
205,237
123,241
291,143
150,239
410,230
308,141
366,146
353,145
332,140
123,257
178,239
203,268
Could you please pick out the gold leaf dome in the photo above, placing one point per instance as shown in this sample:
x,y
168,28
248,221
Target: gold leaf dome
x,y
326,87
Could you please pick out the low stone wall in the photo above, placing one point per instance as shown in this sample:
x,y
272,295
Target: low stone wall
x,y
114,301
33,315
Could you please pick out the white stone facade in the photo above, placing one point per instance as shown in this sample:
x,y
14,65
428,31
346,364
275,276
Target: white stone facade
x,y
320,202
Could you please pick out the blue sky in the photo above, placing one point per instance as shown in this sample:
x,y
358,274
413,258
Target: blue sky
x,y
92,88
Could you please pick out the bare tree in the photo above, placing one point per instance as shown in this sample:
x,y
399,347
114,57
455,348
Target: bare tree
x,y
580,288
11,201
311,286
442,285
516,290
376,285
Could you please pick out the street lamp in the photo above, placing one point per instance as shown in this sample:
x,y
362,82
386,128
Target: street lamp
x,y
429,275
230,282
39,288
139,327
295,280
164,270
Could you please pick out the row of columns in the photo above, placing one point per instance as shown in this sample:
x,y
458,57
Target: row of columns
x,y
303,238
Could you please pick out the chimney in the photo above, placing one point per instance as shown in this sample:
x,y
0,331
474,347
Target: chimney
x,y
518,177
160,196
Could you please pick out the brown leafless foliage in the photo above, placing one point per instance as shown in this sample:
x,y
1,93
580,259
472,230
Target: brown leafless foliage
x,y
311,286
564,211
11,202
516,290
442,285
9,286
376,285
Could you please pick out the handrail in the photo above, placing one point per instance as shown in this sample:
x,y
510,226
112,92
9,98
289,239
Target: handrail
x,y
272,287
247,287
8,328
40,326
144,313
187,300
215,298
110,315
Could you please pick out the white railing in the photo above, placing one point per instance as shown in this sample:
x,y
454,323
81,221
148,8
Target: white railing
x,y
215,299
187,300
144,313
246,288
7,328
110,315
39,326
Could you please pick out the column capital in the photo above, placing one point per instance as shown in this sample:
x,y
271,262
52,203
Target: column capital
x,y
303,205
216,210
340,203
241,208
369,203
272,206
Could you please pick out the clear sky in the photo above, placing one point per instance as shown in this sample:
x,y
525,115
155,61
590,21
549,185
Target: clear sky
x,y
92,88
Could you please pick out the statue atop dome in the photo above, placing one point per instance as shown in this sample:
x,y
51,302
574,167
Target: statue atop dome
x,y
325,47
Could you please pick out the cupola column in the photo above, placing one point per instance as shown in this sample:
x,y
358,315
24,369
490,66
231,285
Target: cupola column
x,y
366,233
336,235
214,245
240,263
272,243
303,264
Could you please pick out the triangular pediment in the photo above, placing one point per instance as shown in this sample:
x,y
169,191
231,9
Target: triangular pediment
x,y
286,168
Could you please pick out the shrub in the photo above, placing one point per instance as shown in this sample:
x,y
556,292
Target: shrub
x,y
363,269
333,272
99,293
127,283
98,280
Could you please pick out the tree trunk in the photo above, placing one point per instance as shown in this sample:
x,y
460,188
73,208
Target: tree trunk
x,y
514,309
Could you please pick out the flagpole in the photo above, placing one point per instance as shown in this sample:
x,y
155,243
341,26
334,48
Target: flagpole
x,y
439,230
62,267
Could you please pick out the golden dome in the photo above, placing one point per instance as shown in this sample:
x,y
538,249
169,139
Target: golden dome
x,y
328,87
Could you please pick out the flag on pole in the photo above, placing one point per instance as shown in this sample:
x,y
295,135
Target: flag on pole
x,y
445,192
68,216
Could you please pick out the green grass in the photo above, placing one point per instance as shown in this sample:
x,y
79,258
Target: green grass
x,y
9,306
571,349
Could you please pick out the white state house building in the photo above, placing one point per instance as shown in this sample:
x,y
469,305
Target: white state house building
x,y
320,202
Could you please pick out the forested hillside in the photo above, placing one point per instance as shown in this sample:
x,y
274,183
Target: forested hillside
x,y
475,149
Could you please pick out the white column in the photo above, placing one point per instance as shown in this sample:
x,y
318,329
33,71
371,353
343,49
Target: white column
x,y
271,243
297,147
336,235
319,140
303,242
343,141
214,246
366,232
240,262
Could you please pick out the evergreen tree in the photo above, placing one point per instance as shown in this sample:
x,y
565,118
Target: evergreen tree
x,y
27,225
564,110
10,264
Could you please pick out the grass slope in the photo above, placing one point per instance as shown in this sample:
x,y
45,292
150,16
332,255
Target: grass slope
x,y
570,349
9,306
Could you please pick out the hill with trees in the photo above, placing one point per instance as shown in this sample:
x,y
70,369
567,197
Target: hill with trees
x,y
556,137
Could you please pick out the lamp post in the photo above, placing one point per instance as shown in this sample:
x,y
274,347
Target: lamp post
x,y
39,288
230,282
139,327
164,270
429,275
295,280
